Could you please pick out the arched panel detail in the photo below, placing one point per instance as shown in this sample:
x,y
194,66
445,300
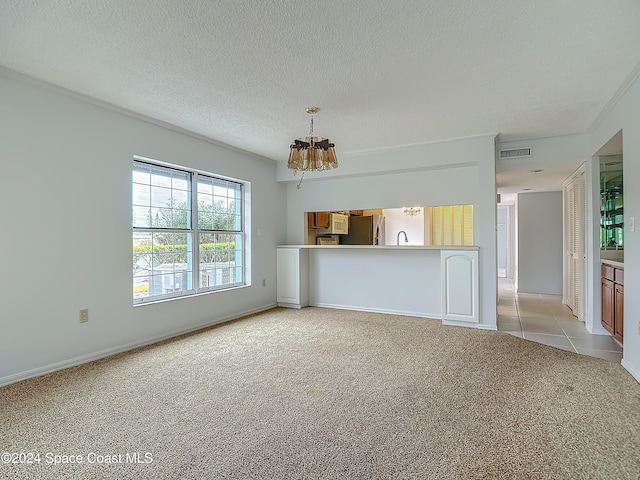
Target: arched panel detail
x,y
460,286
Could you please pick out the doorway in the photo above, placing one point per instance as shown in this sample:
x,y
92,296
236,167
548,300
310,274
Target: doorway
x,y
505,238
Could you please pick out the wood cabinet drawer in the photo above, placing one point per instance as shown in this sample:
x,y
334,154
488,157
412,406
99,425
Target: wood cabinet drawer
x,y
619,276
608,272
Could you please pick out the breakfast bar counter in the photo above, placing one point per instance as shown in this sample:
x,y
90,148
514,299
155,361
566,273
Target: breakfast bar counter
x,y
424,281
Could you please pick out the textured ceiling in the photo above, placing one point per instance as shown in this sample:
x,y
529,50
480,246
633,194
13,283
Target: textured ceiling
x,y
384,73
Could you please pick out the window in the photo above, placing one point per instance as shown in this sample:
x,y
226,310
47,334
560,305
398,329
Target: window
x,y
188,232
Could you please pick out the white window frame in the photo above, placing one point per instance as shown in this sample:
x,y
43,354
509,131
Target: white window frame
x,y
195,232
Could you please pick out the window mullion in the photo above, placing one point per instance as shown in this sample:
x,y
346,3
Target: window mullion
x,y
195,232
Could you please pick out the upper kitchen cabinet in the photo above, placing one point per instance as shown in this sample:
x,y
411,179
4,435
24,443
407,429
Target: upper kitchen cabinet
x,y
611,203
318,219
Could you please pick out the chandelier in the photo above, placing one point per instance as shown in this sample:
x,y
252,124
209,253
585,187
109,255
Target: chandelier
x,y
411,211
311,154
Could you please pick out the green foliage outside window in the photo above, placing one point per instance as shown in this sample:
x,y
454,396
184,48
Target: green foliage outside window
x,y
163,254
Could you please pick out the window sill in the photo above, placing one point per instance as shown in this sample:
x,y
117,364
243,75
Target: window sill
x,y
185,297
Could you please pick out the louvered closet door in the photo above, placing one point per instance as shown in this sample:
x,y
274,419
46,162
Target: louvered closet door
x,y
575,250
570,243
575,218
451,225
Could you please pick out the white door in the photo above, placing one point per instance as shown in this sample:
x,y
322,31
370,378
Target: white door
x,y
575,242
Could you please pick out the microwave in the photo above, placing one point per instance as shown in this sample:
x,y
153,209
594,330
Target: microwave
x,y
338,224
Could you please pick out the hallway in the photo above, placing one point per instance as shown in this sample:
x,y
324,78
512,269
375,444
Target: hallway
x,y
544,319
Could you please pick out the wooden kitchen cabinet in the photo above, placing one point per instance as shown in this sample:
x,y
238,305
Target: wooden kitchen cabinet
x,y
613,300
322,219
318,219
618,312
608,299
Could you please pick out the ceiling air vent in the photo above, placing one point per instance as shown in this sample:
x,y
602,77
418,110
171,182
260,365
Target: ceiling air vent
x,y
515,153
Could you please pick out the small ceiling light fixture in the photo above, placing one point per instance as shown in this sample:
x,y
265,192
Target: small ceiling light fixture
x,y
311,154
411,211
536,170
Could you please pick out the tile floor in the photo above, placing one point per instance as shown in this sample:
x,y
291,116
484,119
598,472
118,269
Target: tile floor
x,y
544,319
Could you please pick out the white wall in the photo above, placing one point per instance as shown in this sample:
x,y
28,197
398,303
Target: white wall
x,y
395,221
398,281
443,173
540,242
65,188
625,115
593,288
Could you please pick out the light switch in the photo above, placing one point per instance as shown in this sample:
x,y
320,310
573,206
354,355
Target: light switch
x,y
632,224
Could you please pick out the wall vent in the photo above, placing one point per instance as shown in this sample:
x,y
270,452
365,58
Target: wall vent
x,y
515,153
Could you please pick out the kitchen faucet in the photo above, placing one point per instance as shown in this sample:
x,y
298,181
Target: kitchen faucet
x,y
406,240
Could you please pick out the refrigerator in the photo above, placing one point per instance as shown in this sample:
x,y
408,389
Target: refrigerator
x,y
365,230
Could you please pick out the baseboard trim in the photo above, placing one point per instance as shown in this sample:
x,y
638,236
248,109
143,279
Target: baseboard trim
x,y
296,306
596,330
635,373
480,326
73,362
460,323
433,316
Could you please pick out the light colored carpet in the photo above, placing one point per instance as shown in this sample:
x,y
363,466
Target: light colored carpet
x,y
321,393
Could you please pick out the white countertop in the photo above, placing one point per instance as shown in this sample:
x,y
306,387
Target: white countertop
x,y
382,247
613,263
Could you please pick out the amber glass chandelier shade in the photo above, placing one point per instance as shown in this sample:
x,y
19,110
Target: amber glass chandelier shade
x,y
312,154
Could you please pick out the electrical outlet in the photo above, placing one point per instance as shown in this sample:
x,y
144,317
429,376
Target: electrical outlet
x,y
264,282
84,315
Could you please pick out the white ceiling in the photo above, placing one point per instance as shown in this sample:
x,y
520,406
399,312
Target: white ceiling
x,y
384,73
